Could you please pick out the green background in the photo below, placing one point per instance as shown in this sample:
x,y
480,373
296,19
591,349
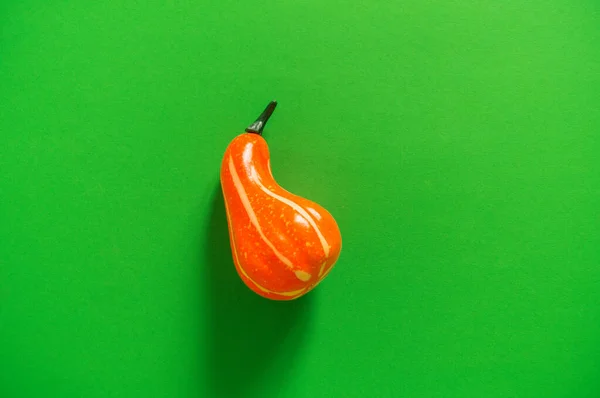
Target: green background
x,y
455,142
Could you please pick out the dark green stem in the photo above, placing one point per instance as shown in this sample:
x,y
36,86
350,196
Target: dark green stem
x,y
258,126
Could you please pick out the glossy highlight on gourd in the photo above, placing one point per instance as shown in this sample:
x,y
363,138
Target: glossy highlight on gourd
x,y
282,244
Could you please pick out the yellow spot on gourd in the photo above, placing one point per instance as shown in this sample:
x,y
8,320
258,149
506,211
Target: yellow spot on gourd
x,y
302,275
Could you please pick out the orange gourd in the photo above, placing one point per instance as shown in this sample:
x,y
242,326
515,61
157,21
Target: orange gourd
x,y
283,245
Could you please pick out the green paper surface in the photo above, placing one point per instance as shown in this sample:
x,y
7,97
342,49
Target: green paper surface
x,y
456,143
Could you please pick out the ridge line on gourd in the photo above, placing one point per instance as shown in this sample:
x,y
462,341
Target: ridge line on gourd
x,y
282,244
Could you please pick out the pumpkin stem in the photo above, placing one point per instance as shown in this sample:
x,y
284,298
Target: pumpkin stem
x,y
258,126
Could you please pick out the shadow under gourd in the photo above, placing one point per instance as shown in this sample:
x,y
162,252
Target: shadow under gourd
x,y
247,334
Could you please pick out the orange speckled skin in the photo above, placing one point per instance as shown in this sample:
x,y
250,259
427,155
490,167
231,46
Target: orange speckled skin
x,y
282,245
